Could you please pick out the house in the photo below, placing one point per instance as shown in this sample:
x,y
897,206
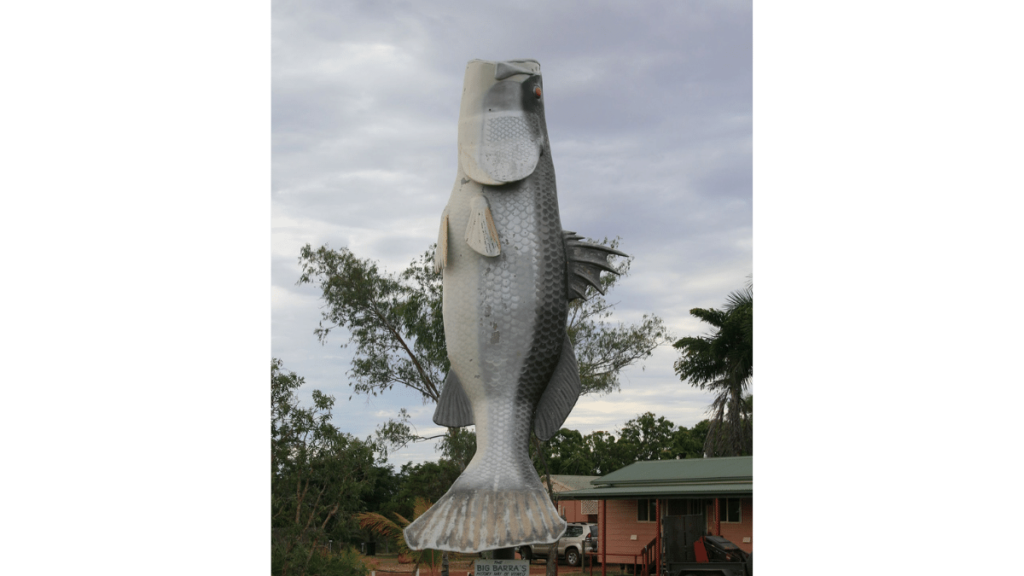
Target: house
x,y
713,494
573,510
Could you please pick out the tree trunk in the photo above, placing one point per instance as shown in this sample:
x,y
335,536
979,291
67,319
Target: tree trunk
x,y
552,562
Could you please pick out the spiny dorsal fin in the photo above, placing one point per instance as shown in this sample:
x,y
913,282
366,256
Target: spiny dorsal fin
x,y
481,235
441,254
560,396
453,407
586,261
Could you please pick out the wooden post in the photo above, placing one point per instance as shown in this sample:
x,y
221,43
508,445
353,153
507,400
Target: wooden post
x,y
657,535
603,524
718,519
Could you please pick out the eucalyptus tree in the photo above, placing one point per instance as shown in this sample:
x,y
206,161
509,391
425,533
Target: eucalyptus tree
x,y
395,324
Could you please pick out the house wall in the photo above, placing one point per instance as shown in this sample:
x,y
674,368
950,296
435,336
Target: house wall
x,y
571,511
736,532
619,526
622,524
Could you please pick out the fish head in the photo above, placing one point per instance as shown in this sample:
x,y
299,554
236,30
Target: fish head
x,y
501,121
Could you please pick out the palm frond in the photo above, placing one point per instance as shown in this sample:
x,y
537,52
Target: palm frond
x,y
379,524
420,507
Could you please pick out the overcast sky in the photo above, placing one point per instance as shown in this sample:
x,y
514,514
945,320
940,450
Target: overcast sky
x,y
649,114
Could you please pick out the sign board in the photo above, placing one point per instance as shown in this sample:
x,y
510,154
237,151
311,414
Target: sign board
x,y
501,568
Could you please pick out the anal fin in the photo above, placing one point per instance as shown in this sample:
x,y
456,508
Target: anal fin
x,y
560,395
481,235
453,407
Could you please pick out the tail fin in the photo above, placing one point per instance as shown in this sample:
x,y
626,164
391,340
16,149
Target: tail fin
x,y
475,520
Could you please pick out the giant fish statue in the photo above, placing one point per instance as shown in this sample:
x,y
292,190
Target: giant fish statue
x,y
508,272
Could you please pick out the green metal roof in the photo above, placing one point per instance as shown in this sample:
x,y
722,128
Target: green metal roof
x,y
691,477
681,471
701,490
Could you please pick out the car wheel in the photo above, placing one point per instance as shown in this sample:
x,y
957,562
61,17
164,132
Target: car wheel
x,y
526,553
572,557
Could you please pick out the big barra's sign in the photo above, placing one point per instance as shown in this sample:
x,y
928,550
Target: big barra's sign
x,y
502,567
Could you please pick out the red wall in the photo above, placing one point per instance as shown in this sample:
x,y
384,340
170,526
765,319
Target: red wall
x,y
617,528
622,524
570,511
736,532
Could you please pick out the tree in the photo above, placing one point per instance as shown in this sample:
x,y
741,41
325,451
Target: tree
x,y
395,323
649,437
567,453
723,362
603,349
690,443
318,477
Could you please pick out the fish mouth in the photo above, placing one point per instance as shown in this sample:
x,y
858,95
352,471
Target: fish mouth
x,y
500,137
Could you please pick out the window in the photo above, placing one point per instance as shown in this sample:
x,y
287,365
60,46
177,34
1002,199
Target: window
x,y
730,510
588,506
572,531
646,510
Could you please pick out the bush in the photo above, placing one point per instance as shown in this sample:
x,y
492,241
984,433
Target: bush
x,y
343,562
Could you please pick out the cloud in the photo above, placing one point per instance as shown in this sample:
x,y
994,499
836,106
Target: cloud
x,y
649,113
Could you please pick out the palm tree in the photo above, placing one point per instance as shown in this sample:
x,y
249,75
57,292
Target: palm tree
x,y
382,526
723,362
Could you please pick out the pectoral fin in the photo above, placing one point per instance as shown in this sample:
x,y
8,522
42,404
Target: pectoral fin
x,y
560,396
481,235
453,408
441,253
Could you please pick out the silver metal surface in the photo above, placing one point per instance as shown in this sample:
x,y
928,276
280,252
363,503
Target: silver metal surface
x,y
506,276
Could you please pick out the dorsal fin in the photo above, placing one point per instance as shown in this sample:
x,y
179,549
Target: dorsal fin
x,y
586,261
453,407
560,395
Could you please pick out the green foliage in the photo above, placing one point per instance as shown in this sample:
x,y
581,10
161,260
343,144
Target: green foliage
x,y
690,443
458,446
319,476
429,480
646,437
649,436
723,362
346,561
395,322
602,348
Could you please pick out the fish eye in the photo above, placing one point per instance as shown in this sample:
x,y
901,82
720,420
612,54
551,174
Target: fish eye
x,y
536,92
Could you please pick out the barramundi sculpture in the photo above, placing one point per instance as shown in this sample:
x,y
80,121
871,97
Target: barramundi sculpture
x,y
509,272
